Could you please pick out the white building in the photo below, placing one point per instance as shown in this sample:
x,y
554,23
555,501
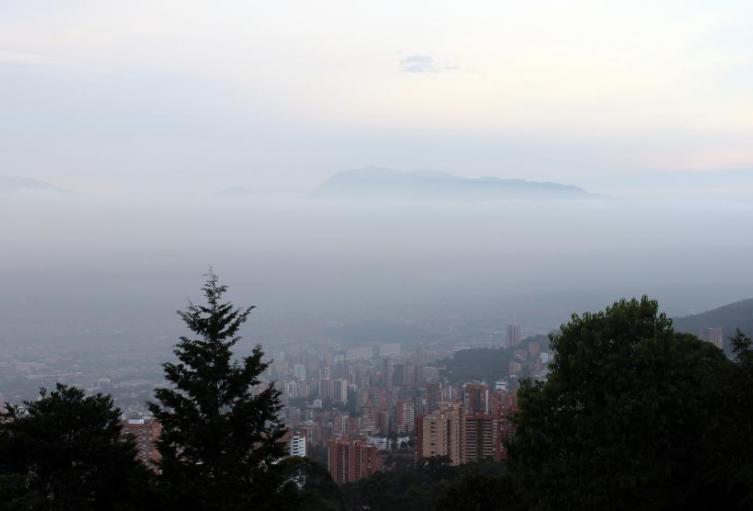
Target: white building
x,y
297,446
380,442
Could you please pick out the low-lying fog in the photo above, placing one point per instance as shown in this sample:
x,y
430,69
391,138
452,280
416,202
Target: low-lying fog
x,y
83,268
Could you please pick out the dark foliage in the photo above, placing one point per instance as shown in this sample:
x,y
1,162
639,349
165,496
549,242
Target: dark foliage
x,y
732,465
431,484
309,485
628,419
220,433
480,492
484,364
65,451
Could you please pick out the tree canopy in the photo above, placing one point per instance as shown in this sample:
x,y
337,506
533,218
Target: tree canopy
x,y
66,451
220,428
627,419
733,461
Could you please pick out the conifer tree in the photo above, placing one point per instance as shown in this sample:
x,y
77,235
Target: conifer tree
x,y
221,435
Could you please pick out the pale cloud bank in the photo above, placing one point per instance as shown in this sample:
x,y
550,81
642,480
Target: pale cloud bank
x,y
290,91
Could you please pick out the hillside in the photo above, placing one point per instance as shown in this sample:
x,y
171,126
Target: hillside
x,y
491,364
728,317
379,183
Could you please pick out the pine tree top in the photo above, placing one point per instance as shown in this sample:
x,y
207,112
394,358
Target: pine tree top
x,y
219,430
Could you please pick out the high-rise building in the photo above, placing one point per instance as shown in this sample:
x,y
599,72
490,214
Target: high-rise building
x,y
145,432
388,371
351,460
398,375
481,438
368,420
293,415
500,402
419,436
383,421
433,397
513,335
326,389
405,416
409,375
340,391
299,371
452,393
476,398
441,433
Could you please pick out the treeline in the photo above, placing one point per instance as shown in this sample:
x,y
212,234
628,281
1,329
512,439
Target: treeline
x,y
632,416
636,416
219,447
433,484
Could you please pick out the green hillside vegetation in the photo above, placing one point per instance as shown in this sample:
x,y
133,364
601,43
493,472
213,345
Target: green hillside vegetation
x,y
738,315
485,364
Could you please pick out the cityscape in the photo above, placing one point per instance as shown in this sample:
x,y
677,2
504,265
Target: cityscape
x,y
359,409
393,255
352,409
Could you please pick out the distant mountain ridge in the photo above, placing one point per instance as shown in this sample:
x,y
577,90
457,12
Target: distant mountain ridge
x,y
14,185
381,183
728,317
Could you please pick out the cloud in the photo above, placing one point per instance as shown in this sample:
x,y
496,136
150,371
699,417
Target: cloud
x,y
422,63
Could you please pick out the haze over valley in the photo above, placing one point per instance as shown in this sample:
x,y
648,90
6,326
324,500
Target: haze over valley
x,y
376,255
101,264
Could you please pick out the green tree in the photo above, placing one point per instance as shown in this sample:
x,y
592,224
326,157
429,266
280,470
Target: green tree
x,y
432,483
310,484
221,435
66,451
402,487
480,492
625,417
732,466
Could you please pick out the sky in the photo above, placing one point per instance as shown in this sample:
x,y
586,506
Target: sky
x,y
112,96
150,108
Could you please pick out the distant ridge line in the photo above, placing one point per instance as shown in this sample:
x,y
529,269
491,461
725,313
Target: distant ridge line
x,y
382,183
